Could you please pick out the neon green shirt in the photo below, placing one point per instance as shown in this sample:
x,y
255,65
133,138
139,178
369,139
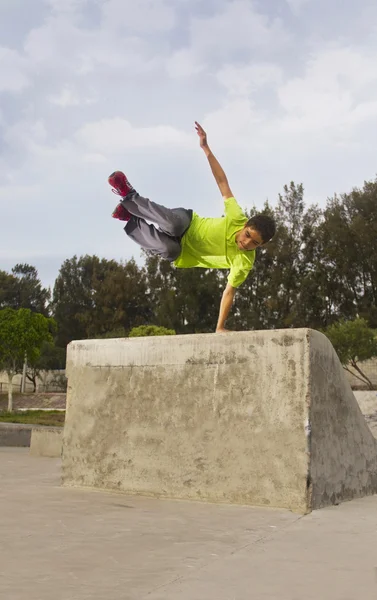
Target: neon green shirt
x,y
210,243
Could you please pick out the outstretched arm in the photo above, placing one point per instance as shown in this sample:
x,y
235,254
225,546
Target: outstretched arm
x,y
217,170
225,306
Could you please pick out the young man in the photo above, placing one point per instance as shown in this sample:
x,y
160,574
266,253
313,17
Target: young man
x,y
188,240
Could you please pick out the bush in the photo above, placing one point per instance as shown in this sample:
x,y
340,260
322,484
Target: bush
x,y
354,342
147,330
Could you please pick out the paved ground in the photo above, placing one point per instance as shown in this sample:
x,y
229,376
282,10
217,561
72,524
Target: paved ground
x,y
68,544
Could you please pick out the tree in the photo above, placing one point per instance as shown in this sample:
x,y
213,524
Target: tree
x,y
23,289
51,358
95,296
8,290
148,330
22,334
349,234
281,290
119,332
30,292
353,342
186,300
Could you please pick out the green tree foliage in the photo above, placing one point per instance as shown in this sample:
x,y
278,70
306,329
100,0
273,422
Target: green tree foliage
x,y
8,293
148,330
320,267
349,238
186,300
94,296
354,342
23,289
279,291
119,332
22,334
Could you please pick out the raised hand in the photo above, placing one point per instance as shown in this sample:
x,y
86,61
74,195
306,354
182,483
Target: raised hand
x,y
202,135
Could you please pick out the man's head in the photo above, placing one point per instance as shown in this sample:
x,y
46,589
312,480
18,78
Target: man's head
x,y
257,231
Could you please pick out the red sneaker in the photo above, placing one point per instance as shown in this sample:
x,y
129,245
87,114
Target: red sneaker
x,y
120,184
121,213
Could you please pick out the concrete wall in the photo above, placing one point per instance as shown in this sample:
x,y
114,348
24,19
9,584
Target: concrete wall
x,y
46,441
47,378
15,435
343,461
42,440
204,417
221,418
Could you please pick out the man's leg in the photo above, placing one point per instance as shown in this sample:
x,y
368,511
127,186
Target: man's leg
x,y
173,221
150,238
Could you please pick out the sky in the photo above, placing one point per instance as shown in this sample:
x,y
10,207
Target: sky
x,y
286,90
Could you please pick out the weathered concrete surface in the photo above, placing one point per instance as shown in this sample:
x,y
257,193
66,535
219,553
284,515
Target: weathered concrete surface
x,y
72,544
46,441
343,451
260,418
15,434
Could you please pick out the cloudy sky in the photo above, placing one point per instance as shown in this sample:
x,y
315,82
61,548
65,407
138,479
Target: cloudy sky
x,y
287,90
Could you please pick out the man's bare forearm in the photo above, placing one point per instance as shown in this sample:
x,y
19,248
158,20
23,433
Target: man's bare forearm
x,y
216,168
225,306
218,173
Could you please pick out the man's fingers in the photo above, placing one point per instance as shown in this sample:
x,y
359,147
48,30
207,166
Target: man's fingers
x,y
199,128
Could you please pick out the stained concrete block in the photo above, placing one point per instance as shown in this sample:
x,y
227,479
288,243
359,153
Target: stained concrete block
x,y
261,418
15,435
46,441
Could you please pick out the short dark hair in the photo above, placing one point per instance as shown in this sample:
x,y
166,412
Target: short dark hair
x,y
264,224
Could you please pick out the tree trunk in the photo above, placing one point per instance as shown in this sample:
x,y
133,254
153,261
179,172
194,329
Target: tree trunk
x,y
33,379
354,375
370,384
10,391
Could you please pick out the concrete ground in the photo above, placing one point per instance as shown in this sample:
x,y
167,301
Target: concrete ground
x,y
68,544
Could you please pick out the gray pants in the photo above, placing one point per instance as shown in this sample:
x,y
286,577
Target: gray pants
x,y
172,224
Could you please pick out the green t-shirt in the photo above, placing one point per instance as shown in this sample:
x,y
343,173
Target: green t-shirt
x,y
210,243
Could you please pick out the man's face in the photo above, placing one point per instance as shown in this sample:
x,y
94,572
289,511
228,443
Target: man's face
x,y
248,239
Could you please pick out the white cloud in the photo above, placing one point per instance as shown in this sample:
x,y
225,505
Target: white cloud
x,y
243,80
94,158
26,134
337,84
143,16
183,64
129,54
66,6
235,125
13,69
114,135
238,26
69,97
58,41
313,115
297,5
